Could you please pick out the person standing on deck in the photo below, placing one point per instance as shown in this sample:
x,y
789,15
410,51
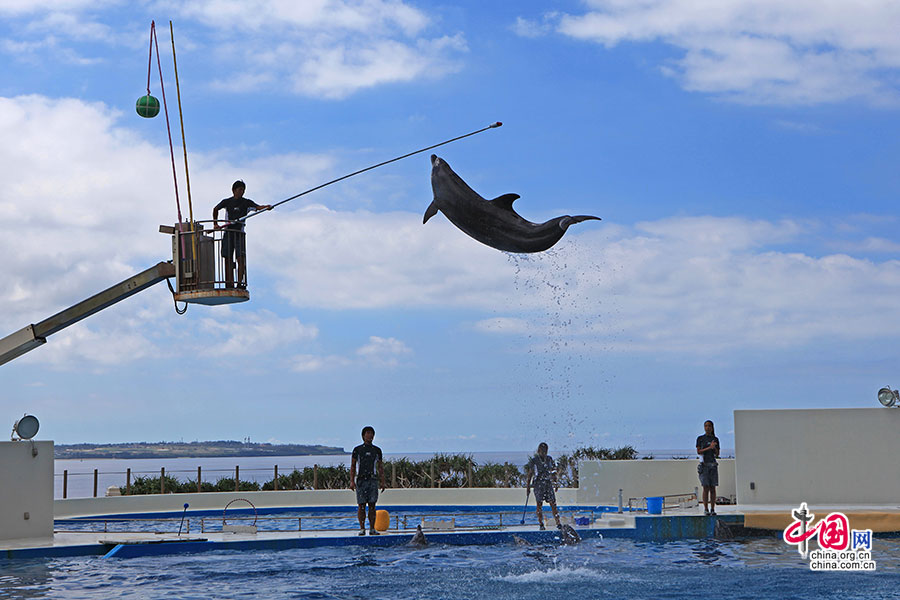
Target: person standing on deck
x,y
366,457
542,469
233,241
708,469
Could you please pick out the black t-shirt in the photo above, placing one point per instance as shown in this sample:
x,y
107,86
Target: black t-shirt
x,y
236,208
542,468
366,456
703,441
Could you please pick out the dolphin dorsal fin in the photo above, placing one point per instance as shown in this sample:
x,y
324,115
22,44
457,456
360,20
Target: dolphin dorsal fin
x,y
506,200
430,212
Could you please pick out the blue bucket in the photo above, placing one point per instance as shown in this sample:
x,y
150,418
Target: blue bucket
x,y
655,505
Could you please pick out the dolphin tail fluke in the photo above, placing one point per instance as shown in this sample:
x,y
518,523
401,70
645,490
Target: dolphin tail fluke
x,y
566,221
430,212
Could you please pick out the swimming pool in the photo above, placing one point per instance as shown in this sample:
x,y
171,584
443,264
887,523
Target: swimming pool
x,y
611,568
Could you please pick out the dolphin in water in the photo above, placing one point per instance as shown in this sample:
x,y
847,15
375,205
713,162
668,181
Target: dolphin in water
x,y
418,539
568,535
492,222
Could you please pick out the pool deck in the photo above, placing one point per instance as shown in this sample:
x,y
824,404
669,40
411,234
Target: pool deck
x,y
636,526
674,524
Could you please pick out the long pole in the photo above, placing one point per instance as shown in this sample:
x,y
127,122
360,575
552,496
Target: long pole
x,y
187,174
381,164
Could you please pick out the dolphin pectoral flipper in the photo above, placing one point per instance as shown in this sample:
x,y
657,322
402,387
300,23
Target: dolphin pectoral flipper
x,y
430,212
505,201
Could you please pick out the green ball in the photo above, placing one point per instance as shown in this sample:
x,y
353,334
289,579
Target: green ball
x,y
147,106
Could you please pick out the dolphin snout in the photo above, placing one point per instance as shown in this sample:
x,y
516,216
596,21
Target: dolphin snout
x,y
435,160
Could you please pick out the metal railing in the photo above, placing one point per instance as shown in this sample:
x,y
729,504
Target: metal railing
x,y
463,521
201,263
433,477
670,501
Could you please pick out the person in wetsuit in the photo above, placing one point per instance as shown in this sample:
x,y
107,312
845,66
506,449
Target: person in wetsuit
x,y
708,469
363,463
233,241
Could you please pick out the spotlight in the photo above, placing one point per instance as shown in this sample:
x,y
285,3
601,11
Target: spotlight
x,y
888,397
25,428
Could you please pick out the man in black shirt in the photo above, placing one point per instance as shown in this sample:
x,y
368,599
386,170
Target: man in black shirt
x,y
233,244
708,469
366,456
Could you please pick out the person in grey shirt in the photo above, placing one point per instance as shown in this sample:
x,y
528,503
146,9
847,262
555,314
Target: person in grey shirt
x,y
542,470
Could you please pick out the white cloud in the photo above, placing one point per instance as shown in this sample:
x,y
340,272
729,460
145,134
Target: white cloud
x,y
230,333
530,28
383,351
503,325
318,48
378,352
85,195
761,51
348,260
327,49
704,285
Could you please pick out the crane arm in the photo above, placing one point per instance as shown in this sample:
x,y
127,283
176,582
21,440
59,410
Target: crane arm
x,y
32,336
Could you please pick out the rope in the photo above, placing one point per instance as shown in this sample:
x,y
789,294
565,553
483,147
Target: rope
x,y
154,42
381,164
171,289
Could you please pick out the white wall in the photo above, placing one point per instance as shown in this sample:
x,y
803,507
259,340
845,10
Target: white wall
x,y
80,507
26,487
599,481
822,456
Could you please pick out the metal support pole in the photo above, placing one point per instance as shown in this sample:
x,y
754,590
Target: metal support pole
x,y
469,473
128,481
198,480
315,477
162,480
275,481
65,482
95,483
237,478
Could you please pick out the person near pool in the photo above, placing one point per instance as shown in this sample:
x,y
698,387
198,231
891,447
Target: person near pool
x,y
708,448
542,470
365,460
233,242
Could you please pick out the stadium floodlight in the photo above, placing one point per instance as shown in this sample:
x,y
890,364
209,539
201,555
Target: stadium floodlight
x,y
25,428
888,397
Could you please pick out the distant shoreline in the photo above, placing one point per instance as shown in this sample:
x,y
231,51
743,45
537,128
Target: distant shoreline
x,y
217,449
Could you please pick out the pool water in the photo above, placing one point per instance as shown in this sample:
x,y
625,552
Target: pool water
x,y
309,519
615,568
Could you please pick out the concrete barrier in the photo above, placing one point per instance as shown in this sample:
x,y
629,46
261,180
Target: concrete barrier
x,y
208,501
26,493
599,481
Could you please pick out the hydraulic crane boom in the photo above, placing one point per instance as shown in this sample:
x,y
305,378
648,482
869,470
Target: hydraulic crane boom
x,y
32,336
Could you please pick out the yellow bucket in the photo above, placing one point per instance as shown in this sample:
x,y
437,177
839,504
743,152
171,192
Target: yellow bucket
x,y
382,520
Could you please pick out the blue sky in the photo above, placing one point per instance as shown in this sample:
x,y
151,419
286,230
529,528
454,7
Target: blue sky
x,y
742,156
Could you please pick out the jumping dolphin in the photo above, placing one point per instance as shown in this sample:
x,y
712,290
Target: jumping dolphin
x,y
418,539
568,535
492,222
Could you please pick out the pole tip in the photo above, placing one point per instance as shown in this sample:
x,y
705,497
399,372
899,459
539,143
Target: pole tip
x,y
497,124
186,504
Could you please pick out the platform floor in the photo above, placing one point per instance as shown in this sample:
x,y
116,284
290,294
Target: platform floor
x,y
673,524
